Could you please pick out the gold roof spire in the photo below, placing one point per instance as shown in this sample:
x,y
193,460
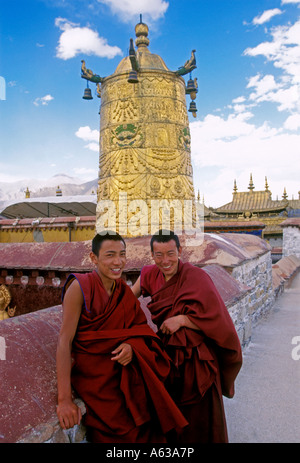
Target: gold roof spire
x,y
284,196
234,187
251,184
266,185
141,32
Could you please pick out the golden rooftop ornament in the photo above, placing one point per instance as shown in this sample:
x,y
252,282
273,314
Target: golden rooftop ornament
x,y
144,138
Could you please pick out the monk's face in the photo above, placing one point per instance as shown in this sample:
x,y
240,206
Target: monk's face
x,y
166,256
111,260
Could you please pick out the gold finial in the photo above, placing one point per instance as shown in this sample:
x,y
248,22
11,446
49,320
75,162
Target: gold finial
x,y
251,184
198,196
284,196
141,32
266,185
234,186
27,193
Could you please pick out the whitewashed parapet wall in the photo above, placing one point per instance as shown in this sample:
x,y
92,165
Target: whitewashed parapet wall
x,y
291,237
254,271
257,275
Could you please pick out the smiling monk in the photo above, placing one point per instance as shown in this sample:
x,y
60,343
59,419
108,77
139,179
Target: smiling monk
x,y
111,357
198,334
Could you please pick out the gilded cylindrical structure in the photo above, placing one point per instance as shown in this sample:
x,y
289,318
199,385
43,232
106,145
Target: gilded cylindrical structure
x,y
144,142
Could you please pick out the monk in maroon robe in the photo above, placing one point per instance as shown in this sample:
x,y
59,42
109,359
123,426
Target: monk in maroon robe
x,y
111,357
199,336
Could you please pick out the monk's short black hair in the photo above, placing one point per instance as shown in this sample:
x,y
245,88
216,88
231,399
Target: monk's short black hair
x,y
164,236
103,236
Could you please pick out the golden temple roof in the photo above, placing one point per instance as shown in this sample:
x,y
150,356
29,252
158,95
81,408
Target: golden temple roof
x,y
255,201
252,201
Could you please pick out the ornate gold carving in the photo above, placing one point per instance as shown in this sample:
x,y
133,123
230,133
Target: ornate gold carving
x,y
158,86
126,135
159,109
5,299
144,140
124,110
88,74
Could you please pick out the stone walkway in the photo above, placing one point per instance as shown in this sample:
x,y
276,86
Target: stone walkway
x,y
266,405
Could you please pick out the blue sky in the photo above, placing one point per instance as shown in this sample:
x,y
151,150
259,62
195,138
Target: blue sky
x,y
248,71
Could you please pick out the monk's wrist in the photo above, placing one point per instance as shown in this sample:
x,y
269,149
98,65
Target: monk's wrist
x,y
64,400
64,395
182,320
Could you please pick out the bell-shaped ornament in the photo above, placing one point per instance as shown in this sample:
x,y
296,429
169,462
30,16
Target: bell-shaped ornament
x,y
133,79
190,88
193,107
87,94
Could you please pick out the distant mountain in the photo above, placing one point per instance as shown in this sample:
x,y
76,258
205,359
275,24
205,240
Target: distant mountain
x,y
70,186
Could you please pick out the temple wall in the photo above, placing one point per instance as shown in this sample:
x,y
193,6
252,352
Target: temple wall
x,y
58,229
28,379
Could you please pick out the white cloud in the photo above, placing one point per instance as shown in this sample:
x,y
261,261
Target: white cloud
x,y
239,99
286,96
292,122
262,85
233,147
89,135
283,2
266,16
129,9
43,100
283,50
93,147
231,142
75,40
215,128
287,99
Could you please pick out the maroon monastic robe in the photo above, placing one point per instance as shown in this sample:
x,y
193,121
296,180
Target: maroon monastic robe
x,y
124,403
207,361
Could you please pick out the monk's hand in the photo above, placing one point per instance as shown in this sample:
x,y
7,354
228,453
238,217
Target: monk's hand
x,y
172,324
123,354
68,413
